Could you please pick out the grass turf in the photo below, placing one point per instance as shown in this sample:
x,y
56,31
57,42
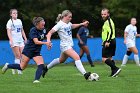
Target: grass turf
x,y
65,78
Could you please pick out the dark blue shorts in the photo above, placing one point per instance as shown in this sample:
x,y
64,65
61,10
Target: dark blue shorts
x,y
31,54
80,45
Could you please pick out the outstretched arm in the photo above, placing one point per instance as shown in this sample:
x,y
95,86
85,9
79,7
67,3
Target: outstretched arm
x,y
78,25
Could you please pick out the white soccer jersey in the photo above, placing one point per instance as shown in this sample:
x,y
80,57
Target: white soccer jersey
x,y
64,32
16,28
131,33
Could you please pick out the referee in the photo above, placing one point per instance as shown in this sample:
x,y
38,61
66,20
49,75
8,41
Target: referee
x,y
109,42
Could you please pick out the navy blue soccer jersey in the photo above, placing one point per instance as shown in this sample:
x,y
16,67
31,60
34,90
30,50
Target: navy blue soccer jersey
x,y
34,33
83,33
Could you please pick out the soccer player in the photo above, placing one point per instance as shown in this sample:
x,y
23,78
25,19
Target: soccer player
x,y
82,35
63,28
32,49
109,42
130,34
16,34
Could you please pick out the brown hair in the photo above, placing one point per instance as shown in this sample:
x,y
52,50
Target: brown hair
x,y
36,20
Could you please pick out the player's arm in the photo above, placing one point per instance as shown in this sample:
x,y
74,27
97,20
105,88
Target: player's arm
x,y
24,35
78,36
125,35
9,36
49,35
37,42
137,35
78,25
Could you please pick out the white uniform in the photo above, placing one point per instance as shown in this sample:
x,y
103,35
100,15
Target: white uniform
x,y
131,35
16,28
64,31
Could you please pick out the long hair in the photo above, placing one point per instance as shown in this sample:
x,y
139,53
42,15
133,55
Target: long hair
x,y
63,14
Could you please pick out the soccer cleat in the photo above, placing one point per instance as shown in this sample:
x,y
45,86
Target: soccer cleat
x,y
92,65
19,72
36,81
45,70
86,75
5,67
116,72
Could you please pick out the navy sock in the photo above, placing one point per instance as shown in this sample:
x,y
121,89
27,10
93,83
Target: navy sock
x,y
111,64
89,60
39,71
14,66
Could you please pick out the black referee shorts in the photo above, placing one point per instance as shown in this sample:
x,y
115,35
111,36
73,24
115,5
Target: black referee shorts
x,y
109,51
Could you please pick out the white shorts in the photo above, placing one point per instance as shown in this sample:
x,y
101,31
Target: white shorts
x,y
64,48
19,44
130,44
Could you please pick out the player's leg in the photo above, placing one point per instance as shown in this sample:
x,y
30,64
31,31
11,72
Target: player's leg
x,y
81,53
40,66
55,62
136,57
71,53
125,58
21,66
17,54
86,50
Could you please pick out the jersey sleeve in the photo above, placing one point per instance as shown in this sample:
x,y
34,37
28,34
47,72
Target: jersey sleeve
x,y
33,34
127,29
80,31
9,24
57,27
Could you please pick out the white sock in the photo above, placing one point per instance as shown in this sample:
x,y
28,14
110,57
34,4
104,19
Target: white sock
x,y
125,59
80,67
17,61
53,63
136,58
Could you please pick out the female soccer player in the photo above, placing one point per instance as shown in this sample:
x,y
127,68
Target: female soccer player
x,y
16,34
129,39
63,28
32,49
82,35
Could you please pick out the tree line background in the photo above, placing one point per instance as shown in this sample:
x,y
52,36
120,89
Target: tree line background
x,y
121,11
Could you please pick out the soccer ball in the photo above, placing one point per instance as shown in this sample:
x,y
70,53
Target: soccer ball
x,y
94,77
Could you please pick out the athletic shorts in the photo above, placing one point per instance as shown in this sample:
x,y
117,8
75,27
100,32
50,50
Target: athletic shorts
x,y
64,48
130,44
80,45
31,54
19,44
109,51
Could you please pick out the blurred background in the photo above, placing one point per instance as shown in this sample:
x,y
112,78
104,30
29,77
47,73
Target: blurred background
x,y
121,12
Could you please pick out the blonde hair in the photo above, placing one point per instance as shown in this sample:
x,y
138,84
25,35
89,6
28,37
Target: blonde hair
x,y
11,10
63,14
36,20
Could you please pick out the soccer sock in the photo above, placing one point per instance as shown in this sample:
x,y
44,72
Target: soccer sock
x,y
53,63
80,67
89,60
39,71
14,66
17,61
111,64
136,58
125,59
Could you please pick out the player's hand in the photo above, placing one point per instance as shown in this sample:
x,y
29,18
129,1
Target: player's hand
x,y
86,22
91,36
81,42
11,43
107,44
49,45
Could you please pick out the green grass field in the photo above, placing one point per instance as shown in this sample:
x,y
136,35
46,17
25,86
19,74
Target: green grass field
x,y
65,78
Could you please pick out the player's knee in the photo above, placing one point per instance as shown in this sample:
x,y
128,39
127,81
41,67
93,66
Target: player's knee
x,y
128,53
